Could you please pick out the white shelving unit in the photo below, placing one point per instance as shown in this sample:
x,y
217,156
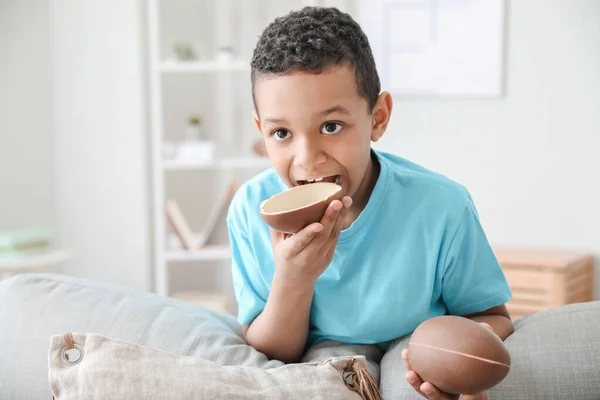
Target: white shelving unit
x,y
221,73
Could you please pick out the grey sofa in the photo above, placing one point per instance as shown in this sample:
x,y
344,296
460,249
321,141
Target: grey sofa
x,y
555,354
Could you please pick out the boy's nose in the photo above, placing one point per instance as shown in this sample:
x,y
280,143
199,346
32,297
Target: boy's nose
x,y
307,154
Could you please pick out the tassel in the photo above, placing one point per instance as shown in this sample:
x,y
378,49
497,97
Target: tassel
x,y
361,381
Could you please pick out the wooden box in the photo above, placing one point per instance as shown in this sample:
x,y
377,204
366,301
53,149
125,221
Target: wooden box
x,y
543,279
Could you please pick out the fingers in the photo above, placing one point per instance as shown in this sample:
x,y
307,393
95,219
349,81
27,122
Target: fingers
x,y
411,377
327,230
277,237
425,389
432,393
330,217
331,242
301,239
405,360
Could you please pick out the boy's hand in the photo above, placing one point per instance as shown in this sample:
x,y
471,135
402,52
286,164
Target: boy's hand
x,y
304,256
427,390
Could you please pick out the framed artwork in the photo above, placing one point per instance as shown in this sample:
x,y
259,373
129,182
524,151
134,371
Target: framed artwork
x,y
437,48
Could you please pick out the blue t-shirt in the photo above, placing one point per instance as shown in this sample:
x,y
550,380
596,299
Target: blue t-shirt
x,y
416,251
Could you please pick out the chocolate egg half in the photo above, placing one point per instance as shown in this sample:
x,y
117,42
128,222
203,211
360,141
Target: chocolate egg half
x,y
458,355
293,209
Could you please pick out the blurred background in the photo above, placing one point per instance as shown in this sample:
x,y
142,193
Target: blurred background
x,y
125,126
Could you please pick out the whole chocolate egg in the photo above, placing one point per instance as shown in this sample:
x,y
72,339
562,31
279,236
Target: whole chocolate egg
x,y
458,355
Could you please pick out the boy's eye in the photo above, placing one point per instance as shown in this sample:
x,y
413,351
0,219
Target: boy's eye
x,y
281,134
331,128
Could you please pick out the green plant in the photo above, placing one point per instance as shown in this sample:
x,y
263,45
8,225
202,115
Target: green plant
x,y
184,52
194,120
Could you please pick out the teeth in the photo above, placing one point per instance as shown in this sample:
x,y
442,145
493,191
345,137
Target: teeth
x,y
314,180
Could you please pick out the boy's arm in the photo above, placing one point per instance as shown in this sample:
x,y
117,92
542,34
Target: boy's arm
x,y
496,317
473,279
280,331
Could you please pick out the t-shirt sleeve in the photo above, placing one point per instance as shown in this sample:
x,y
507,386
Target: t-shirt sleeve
x,y
473,280
250,291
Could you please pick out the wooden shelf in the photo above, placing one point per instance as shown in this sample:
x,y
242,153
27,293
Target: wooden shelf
x,y
545,278
207,253
543,258
225,163
203,66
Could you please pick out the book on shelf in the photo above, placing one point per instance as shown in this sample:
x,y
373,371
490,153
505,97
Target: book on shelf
x,y
189,240
180,225
217,213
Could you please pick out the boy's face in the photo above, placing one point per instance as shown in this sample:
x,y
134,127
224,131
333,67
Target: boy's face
x,y
317,126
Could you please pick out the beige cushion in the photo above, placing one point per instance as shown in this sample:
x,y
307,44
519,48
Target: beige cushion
x,y
115,369
42,305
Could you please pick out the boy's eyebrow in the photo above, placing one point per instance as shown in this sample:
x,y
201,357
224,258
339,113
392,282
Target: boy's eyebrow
x,y
331,110
274,121
335,109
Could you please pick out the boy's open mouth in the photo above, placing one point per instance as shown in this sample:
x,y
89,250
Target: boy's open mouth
x,y
331,178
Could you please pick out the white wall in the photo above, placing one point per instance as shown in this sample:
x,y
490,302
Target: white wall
x,y
26,154
101,139
532,159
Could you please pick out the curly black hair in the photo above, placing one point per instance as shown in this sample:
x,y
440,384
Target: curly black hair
x,y
312,39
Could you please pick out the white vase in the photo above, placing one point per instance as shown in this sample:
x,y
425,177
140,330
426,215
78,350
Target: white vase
x,y
193,132
199,152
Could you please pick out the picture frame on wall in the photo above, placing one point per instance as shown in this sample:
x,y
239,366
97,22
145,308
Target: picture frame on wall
x,y
448,49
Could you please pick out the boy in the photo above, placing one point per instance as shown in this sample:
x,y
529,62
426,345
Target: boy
x,y
403,245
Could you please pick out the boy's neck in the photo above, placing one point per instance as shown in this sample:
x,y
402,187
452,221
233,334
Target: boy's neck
x,y
362,195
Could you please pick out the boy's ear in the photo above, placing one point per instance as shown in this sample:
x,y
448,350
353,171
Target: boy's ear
x,y
382,112
256,120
